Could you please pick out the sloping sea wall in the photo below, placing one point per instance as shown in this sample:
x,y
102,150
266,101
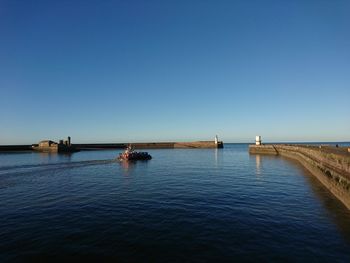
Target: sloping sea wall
x,y
331,165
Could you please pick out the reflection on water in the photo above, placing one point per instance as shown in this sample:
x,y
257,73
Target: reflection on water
x,y
47,157
127,166
258,164
218,157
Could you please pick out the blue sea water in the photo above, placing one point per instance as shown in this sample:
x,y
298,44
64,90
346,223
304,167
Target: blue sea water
x,y
183,205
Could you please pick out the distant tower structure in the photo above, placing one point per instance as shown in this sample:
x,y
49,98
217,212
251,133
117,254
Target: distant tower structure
x,y
258,140
69,143
216,140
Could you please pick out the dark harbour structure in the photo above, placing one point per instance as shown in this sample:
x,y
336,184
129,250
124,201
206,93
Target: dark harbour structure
x,y
329,164
51,146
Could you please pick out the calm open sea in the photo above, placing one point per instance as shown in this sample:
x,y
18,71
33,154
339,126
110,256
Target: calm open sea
x,y
183,205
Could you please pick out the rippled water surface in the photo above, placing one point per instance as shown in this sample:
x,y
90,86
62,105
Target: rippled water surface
x,y
183,205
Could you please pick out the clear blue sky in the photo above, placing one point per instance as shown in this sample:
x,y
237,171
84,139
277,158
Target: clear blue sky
x,y
117,71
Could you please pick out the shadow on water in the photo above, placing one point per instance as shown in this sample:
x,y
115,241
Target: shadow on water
x,y
334,209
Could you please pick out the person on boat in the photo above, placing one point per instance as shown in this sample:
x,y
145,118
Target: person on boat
x,y
128,151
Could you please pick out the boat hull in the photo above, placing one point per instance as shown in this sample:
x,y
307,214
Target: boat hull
x,y
134,156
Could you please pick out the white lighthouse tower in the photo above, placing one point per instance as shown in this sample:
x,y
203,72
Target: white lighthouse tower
x,y
216,140
258,140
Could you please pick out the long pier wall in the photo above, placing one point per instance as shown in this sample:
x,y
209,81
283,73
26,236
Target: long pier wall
x,y
331,165
153,145
146,145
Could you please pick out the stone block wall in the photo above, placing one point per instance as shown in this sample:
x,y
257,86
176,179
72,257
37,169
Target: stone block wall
x,y
329,164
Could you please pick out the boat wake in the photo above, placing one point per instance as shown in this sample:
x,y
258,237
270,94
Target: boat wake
x,y
29,168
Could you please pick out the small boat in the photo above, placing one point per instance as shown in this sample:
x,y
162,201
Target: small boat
x,y
130,155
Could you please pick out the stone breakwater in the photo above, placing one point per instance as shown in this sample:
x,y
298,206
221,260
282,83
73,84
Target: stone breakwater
x,y
331,165
154,145
145,145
